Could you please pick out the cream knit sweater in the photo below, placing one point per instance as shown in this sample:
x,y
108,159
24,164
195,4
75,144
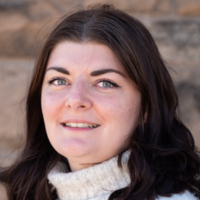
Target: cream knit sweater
x,y
97,182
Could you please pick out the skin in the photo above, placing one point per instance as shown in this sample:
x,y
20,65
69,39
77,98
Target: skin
x,y
80,96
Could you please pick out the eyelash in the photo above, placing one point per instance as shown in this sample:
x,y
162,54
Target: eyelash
x,y
56,79
106,80
99,81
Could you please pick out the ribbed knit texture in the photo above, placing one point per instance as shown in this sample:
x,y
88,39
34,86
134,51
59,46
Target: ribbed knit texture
x,y
97,182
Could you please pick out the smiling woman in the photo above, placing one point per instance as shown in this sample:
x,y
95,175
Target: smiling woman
x,y
101,118
88,87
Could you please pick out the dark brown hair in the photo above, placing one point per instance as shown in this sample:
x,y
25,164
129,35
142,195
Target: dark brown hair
x,y
163,158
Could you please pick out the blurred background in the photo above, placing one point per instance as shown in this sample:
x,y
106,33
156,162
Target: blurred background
x,y
24,25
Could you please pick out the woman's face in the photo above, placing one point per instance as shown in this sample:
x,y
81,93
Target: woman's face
x,y
90,105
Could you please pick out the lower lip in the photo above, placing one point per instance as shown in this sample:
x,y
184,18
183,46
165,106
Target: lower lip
x,y
78,129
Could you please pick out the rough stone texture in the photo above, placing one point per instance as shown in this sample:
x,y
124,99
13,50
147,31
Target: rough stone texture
x,y
163,6
136,6
14,76
178,40
188,7
25,25
87,3
187,83
17,21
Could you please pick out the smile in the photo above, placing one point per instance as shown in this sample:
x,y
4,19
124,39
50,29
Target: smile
x,y
80,125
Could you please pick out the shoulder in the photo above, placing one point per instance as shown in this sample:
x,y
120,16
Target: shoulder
x,y
183,196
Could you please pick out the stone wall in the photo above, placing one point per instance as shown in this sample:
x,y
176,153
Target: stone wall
x,y
24,25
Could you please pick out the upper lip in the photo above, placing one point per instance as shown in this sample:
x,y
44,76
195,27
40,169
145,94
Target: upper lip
x,y
79,121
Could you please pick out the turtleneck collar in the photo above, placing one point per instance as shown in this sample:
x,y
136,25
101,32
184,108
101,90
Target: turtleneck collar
x,y
96,182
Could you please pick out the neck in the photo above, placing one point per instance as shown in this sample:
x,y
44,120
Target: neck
x,y
77,167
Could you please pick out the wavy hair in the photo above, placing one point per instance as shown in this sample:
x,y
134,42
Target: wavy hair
x,y
163,158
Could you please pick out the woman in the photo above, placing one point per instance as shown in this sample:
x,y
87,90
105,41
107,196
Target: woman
x,y
101,118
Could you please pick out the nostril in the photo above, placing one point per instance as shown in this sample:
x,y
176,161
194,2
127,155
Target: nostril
x,y
78,103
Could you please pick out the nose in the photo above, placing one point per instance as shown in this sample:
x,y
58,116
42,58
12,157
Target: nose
x,y
77,98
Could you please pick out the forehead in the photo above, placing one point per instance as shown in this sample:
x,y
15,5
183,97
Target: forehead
x,y
82,56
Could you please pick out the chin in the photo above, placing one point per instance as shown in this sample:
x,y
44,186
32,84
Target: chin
x,y
74,148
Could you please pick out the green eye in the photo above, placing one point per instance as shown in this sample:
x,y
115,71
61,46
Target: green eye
x,y
106,84
60,82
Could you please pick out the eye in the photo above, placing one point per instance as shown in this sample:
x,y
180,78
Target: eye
x,y
106,84
58,81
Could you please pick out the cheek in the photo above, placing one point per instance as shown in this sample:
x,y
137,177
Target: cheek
x,y
107,105
52,103
121,111
112,109
117,106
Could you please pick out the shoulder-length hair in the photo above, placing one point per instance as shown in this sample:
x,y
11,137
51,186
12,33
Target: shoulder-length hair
x,y
163,159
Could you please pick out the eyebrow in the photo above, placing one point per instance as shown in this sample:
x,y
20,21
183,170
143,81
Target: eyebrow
x,y
104,71
59,69
94,73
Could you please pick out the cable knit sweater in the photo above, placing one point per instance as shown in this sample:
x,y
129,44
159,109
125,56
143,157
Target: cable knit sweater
x,y
97,182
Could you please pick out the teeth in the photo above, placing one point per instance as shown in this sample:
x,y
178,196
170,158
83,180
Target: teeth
x,y
80,125
73,124
85,125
